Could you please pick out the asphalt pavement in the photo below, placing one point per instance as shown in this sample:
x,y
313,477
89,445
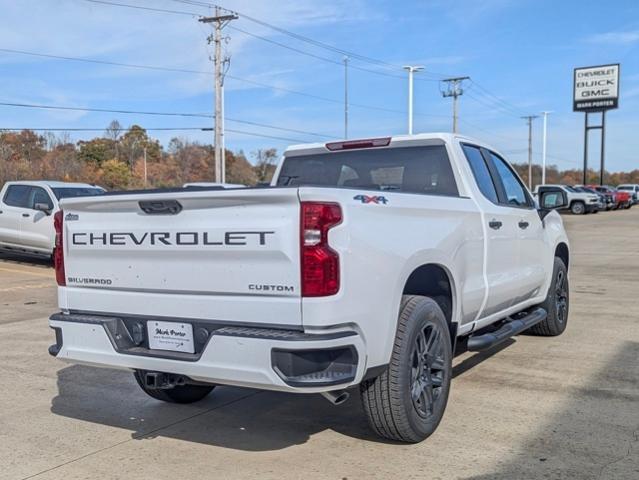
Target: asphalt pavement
x,y
533,408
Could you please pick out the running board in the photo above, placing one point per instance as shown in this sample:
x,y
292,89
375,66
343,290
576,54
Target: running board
x,y
509,329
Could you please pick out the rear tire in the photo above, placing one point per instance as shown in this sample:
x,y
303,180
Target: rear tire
x,y
407,401
178,394
578,208
556,304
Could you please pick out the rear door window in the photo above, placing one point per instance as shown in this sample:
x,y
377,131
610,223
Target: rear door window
x,y
17,196
424,170
481,172
513,188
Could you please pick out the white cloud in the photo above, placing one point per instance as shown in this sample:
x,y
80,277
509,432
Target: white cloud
x,y
615,38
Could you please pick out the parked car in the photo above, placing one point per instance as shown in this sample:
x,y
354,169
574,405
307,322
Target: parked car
x,y
26,213
365,267
610,196
602,202
633,188
578,202
621,198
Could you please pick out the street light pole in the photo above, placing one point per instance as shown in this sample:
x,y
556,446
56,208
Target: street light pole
x,y
345,97
529,119
411,70
543,148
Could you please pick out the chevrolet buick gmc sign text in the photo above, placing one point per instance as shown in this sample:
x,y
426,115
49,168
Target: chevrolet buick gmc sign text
x,y
596,88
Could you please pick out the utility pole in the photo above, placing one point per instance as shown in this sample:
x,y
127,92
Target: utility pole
x,y
219,21
411,70
529,119
454,90
145,167
543,148
345,97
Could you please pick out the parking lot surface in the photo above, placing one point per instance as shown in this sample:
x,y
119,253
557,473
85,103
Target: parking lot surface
x,y
552,408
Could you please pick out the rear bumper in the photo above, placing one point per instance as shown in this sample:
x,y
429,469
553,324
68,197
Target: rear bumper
x,y
262,358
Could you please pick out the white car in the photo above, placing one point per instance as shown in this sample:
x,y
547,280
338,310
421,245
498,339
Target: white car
x,y
579,202
26,213
365,265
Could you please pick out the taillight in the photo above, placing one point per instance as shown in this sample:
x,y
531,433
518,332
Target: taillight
x,y
320,263
58,252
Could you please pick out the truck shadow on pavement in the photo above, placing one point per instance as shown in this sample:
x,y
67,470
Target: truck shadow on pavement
x,y
30,260
234,418
594,434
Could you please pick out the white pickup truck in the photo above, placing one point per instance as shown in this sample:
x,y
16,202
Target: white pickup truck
x,y
26,209
367,263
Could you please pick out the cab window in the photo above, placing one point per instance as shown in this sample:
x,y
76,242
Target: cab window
x,y
514,190
39,195
481,172
17,196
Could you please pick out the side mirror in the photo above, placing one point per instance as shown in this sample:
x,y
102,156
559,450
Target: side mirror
x,y
552,200
43,207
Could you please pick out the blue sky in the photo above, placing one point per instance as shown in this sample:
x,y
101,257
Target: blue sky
x,y
520,51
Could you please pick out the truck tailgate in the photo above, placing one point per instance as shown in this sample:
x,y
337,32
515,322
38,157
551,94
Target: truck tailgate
x,y
229,256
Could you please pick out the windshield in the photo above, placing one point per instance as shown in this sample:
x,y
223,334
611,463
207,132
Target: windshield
x,y
424,170
624,187
571,189
70,192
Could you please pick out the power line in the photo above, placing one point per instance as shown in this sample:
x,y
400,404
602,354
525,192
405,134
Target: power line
x,y
517,111
104,62
173,114
201,72
299,37
83,129
73,129
139,7
319,57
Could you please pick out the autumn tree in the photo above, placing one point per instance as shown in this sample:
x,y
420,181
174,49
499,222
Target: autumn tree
x,y
239,170
115,175
265,160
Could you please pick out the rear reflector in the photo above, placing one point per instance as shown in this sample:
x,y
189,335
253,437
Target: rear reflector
x,y
58,251
365,143
319,262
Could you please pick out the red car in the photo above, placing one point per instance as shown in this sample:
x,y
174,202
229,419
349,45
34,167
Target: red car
x,y
621,198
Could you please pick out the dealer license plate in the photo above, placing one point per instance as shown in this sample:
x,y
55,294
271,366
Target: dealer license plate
x,y
173,336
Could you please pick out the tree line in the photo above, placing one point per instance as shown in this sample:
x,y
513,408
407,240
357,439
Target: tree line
x,y
115,161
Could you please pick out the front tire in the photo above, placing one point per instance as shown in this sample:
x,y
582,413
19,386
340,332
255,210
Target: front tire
x,y
578,208
556,304
177,394
407,401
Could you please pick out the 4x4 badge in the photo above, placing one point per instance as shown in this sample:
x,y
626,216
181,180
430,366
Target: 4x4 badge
x,y
377,199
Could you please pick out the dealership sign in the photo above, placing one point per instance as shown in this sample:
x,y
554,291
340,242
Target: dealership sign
x,y
596,88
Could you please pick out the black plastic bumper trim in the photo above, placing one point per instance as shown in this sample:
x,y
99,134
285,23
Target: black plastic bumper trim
x,y
276,357
55,348
124,339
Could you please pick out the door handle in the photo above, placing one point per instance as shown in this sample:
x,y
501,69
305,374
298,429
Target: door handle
x,y
25,214
523,225
495,224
